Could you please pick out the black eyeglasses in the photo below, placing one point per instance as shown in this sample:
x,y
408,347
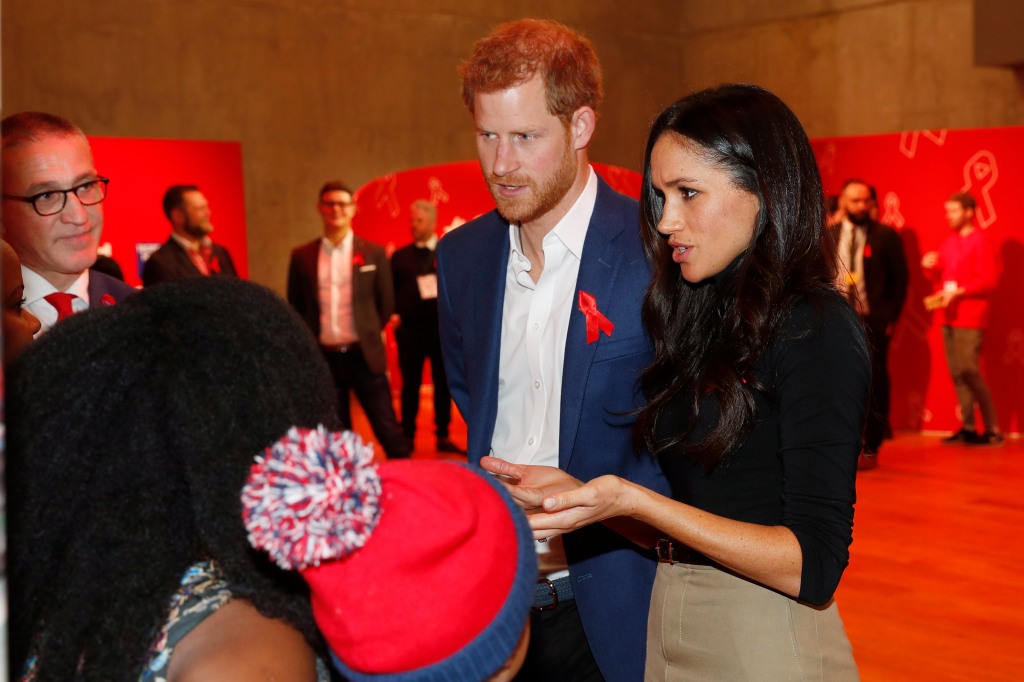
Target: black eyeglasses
x,y
52,201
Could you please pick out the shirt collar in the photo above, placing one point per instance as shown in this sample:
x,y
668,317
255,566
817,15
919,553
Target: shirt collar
x,y
851,227
346,242
188,244
37,286
429,244
571,230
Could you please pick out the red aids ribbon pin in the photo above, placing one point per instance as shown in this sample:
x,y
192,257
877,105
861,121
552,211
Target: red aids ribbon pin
x,y
358,260
596,321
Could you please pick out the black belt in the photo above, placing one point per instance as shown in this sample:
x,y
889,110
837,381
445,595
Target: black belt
x,y
339,347
670,552
548,593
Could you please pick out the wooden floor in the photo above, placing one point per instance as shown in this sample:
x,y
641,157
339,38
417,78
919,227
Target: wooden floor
x,y
934,590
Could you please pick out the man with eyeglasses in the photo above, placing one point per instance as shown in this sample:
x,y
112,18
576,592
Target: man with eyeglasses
x,y
53,216
341,285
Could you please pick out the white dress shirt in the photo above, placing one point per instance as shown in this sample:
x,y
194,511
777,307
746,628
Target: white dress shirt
x,y
852,240
334,291
535,321
37,288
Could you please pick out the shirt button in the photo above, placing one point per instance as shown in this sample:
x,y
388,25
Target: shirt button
x,y
530,442
501,382
536,326
536,384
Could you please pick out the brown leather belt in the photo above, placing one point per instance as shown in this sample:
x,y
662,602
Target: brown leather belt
x,y
671,552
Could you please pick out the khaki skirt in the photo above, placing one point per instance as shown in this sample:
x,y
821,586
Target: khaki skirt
x,y
707,624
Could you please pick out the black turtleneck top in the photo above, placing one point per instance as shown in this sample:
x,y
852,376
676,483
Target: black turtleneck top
x,y
797,468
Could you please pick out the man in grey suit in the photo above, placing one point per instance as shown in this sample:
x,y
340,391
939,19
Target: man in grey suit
x,y
53,216
341,286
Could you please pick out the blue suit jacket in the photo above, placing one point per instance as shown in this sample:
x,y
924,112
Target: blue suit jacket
x,y
612,578
101,284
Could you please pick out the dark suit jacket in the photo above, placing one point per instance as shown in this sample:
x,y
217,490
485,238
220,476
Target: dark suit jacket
x,y
611,578
407,264
105,290
373,297
886,276
171,262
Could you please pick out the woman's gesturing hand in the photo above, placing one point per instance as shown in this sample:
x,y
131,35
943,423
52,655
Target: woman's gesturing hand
x,y
529,484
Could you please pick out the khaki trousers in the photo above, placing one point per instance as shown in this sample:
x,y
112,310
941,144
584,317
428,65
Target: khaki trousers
x,y
709,625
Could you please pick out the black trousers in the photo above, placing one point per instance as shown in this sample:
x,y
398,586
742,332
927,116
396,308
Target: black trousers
x,y
559,650
415,345
351,373
876,425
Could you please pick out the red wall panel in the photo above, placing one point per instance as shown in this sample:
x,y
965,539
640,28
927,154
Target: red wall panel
x,y
140,170
914,173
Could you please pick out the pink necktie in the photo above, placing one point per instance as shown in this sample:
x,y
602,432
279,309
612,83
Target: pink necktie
x,y
62,302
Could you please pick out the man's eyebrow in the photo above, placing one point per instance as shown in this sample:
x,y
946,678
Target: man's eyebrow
x,y
50,185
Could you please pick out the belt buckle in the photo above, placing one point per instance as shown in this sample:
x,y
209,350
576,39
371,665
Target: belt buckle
x,y
552,592
666,551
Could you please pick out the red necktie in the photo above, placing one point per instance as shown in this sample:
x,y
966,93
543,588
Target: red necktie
x,y
62,302
199,262
212,265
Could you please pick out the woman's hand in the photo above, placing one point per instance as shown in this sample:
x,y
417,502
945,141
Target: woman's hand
x,y
529,484
603,498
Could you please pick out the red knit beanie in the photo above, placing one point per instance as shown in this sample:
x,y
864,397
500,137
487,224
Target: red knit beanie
x,y
419,569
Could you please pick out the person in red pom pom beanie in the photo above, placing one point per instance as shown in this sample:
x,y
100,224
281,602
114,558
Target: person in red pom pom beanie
x,y
419,570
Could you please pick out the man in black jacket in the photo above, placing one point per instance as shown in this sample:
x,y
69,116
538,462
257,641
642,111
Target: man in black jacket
x,y
874,273
189,251
415,273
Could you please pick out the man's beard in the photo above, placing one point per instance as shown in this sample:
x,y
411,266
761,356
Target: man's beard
x,y
540,198
198,230
859,219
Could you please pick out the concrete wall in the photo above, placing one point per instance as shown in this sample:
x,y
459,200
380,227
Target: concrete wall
x,y
850,67
352,89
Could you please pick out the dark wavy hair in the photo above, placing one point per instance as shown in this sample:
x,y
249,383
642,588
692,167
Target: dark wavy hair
x,y
708,335
132,429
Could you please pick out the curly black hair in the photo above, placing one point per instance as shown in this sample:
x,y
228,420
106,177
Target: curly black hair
x,y
131,432
709,335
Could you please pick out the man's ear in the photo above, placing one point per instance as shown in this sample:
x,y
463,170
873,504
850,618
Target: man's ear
x,y
581,127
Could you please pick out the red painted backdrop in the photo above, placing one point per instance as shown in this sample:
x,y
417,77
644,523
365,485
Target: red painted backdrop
x,y
460,194
457,189
140,170
914,173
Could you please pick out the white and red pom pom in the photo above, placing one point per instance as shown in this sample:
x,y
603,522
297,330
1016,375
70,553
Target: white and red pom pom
x,y
311,497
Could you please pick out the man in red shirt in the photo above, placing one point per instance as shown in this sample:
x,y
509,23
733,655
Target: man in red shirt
x,y
966,266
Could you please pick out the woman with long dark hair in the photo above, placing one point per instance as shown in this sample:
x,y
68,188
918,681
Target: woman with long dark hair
x,y
132,430
755,403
